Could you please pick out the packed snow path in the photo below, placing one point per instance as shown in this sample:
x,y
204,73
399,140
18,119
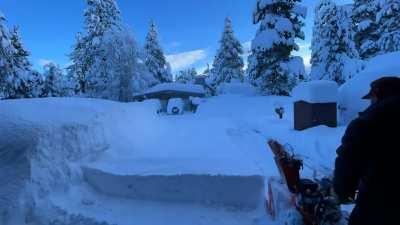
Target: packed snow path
x,y
227,138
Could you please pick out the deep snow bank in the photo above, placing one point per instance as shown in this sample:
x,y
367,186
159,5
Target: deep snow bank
x,y
350,94
38,152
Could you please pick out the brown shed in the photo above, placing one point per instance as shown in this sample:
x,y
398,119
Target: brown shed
x,y
307,115
315,104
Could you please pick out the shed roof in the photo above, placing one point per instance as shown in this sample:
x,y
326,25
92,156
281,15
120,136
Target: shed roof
x,y
172,90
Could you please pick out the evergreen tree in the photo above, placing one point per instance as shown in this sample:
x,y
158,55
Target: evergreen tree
x,y
365,28
54,83
154,57
6,55
101,17
20,55
388,22
16,80
186,76
271,67
332,44
228,63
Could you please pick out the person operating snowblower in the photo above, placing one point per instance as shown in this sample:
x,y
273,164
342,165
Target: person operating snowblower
x,y
367,164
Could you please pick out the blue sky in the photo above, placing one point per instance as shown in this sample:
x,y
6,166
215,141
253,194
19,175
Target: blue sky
x,y
189,29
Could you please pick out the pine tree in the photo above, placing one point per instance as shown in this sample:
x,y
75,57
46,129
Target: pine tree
x,y
101,17
54,83
228,63
365,28
388,22
332,44
186,76
6,55
154,57
271,67
16,79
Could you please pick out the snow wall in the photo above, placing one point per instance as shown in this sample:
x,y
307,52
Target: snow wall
x,y
35,160
242,192
351,93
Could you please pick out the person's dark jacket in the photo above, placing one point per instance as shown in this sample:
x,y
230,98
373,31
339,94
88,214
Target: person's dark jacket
x,y
368,161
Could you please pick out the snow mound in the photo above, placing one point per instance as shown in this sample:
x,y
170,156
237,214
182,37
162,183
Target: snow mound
x,y
37,156
244,89
320,91
351,93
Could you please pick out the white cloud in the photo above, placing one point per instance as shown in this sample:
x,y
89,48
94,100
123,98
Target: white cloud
x,y
185,59
43,62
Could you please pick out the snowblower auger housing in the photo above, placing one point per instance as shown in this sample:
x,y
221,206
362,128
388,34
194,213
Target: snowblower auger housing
x,y
289,166
300,201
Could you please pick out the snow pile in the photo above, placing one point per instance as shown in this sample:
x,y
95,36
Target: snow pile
x,y
207,167
351,93
176,87
38,153
244,89
321,91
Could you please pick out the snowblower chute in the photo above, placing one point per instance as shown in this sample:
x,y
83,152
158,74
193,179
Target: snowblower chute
x,y
300,201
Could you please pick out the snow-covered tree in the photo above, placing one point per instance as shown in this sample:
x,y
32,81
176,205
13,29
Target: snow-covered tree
x,y
388,22
16,77
228,63
332,45
186,76
6,54
55,83
101,17
365,27
122,72
154,57
271,67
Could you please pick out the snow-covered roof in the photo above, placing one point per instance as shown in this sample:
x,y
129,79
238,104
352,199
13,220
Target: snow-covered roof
x,y
321,91
192,88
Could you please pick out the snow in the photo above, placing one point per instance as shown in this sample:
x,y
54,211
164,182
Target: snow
x,y
222,148
351,93
265,39
244,89
300,10
320,91
175,102
176,87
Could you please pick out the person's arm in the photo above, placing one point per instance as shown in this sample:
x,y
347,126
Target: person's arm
x,y
349,164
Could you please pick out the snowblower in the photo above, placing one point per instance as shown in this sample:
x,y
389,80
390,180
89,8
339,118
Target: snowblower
x,y
298,201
